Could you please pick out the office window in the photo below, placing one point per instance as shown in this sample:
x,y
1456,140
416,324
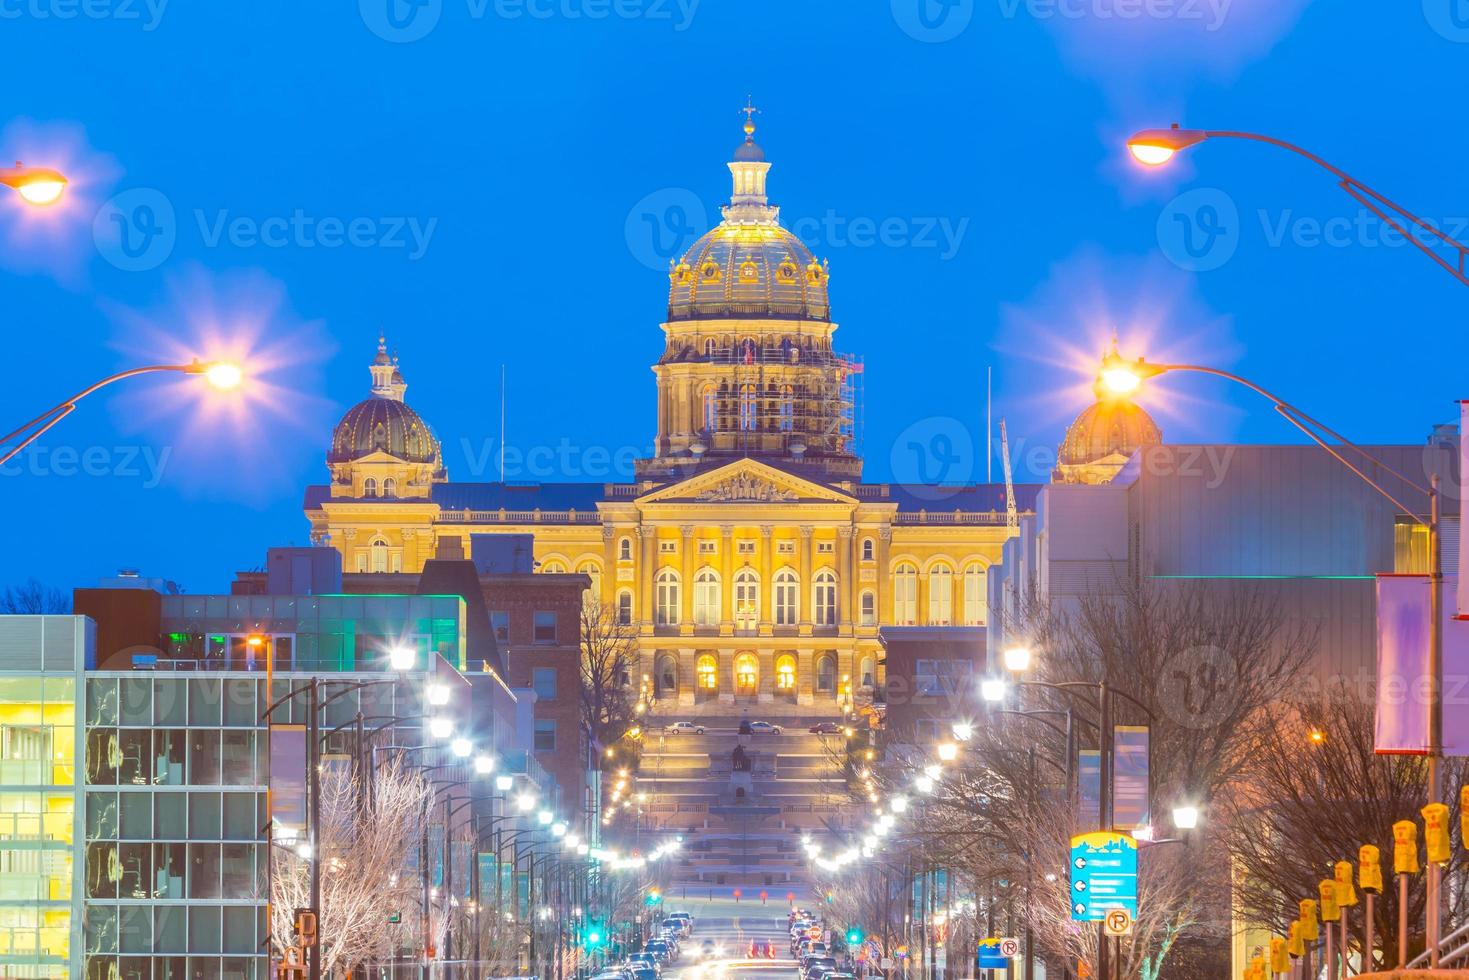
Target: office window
x,y
545,735
543,679
500,623
545,627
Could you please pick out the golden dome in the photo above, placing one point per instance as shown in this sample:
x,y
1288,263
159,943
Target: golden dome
x,y
748,266
382,422
1109,430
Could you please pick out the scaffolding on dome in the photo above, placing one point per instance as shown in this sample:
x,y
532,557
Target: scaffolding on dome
x,y
802,400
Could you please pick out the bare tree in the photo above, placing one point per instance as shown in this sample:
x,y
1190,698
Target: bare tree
x,y
609,651
368,851
31,598
1314,798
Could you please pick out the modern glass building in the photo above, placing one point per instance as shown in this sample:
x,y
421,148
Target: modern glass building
x,y
42,660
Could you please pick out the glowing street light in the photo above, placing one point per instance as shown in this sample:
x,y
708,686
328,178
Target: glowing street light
x,y
484,765
992,689
503,783
219,374
948,751
461,747
440,727
544,817
1185,817
525,802
1017,659
437,694
39,186
402,657
1155,147
963,731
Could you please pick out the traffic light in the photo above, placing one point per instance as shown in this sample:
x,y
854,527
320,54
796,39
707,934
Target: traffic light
x,y
595,936
654,897
854,936
1405,847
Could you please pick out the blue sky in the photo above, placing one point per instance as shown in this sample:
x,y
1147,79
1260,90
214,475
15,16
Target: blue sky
x,y
486,193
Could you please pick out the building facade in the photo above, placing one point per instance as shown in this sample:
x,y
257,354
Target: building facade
x,y
755,564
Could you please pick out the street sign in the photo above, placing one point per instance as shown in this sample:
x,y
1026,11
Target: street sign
x,y
990,957
1010,948
1103,875
1117,923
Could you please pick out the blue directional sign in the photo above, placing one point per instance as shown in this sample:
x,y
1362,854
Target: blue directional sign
x,y
1103,875
990,957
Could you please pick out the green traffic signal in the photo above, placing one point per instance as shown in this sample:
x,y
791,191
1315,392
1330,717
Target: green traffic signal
x,y
854,936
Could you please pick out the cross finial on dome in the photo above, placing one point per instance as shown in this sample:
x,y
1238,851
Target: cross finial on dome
x,y
750,111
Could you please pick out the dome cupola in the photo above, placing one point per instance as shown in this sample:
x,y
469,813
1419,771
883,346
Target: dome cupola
x,y
383,422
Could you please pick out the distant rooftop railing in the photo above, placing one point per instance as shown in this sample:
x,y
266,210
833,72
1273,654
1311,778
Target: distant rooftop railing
x,y
985,518
504,516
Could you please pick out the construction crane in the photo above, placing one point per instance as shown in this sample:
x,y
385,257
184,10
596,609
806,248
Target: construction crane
x,y
1012,512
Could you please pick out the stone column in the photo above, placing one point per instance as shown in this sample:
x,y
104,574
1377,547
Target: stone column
x,y
767,610
608,598
726,677
687,677
766,688
884,585
803,597
805,678
645,572
686,615
846,587
726,580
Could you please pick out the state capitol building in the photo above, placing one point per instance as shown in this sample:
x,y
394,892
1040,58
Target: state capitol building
x,y
753,561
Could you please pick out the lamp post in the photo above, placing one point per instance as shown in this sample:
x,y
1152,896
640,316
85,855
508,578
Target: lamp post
x,y
37,186
220,374
1156,147
1123,378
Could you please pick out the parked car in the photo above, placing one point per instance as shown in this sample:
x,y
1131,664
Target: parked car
x,y
683,728
817,965
825,728
644,973
646,958
687,918
763,728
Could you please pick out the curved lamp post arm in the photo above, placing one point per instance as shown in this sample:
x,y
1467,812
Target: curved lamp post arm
x,y
55,414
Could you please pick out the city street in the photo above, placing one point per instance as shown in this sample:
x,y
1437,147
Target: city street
x,y
733,925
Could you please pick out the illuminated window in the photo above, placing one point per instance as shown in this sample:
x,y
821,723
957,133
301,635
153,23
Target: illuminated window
x,y
369,487
708,671
824,598
787,408
390,487
746,599
666,598
710,401
866,674
787,597
624,549
747,408
553,568
706,598
867,549
709,347
747,674
785,673
379,552
905,595
940,596
975,599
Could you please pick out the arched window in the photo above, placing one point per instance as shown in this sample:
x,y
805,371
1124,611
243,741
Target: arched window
x,y
826,675
390,487
975,599
624,608
709,399
787,597
865,673
940,595
369,487
746,599
747,408
787,408
706,598
553,568
667,676
747,674
624,549
868,551
666,598
785,673
869,609
708,671
379,552
824,597
905,595
709,347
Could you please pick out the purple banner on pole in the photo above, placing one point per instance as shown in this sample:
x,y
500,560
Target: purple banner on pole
x,y
1402,668
287,780
1130,804
1089,786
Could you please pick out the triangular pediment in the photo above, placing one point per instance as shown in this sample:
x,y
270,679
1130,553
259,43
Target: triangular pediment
x,y
747,481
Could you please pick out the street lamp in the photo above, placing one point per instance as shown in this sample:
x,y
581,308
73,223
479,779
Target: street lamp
x,y
484,765
1185,817
992,689
504,782
440,727
1156,147
38,186
437,694
402,657
1017,659
219,374
461,747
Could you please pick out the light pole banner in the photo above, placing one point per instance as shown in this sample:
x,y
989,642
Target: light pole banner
x,y
1463,589
287,781
1089,786
1402,669
1130,805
